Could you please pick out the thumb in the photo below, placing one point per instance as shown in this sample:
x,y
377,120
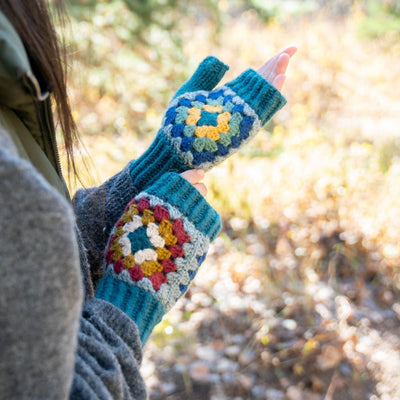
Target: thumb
x,y
207,75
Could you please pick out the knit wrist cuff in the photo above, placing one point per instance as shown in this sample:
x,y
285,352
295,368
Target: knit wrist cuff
x,y
258,93
135,302
181,194
158,159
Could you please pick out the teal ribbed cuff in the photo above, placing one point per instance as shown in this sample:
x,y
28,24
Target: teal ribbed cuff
x,y
179,193
207,75
258,93
158,159
141,306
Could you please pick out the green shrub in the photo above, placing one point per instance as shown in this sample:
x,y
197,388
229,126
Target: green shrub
x,y
382,19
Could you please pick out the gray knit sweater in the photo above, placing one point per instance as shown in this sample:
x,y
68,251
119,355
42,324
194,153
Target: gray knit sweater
x,y
56,341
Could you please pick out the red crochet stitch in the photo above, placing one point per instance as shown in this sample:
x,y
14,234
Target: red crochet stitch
x,y
176,251
143,204
179,232
136,273
168,266
160,213
157,279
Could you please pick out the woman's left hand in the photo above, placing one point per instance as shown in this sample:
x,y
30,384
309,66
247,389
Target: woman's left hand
x,y
195,176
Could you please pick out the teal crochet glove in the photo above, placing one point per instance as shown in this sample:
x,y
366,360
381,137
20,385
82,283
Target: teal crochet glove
x,y
202,126
155,250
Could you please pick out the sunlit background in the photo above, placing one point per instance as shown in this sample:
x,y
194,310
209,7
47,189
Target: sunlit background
x,y
299,296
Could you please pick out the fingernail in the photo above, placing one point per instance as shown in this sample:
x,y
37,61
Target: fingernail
x,y
290,47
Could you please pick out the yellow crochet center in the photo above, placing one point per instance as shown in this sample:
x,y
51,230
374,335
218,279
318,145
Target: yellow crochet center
x,y
147,217
211,132
115,245
212,109
129,261
194,116
163,253
118,232
223,120
126,218
165,227
165,230
117,253
170,239
132,211
149,267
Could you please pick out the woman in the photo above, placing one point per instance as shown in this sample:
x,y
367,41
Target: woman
x,y
85,281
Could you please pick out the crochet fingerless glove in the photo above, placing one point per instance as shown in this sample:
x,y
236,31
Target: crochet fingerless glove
x,y
202,127
155,250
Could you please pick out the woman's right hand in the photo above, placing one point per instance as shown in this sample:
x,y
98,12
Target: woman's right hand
x,y
274,70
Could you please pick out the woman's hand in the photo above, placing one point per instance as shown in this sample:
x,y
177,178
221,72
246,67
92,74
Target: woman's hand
x,y
274,72
274,69
195,176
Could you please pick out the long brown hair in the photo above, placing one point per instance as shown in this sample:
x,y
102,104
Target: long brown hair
x,y
34,22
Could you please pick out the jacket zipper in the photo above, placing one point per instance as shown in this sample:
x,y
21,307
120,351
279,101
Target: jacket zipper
x,y
51,137
46,123
44,98
43,112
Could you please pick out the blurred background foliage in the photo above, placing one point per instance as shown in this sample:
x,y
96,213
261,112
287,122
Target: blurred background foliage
x,y
299,296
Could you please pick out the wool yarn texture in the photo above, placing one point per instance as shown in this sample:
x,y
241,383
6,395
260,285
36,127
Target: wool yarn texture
x,y
156,248
160,241
203,126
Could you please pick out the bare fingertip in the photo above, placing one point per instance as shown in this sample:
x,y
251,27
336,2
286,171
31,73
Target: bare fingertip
x,y
284,56
185,174
290,50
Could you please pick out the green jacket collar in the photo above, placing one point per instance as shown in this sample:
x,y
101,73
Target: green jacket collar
x,y
20,92
18,85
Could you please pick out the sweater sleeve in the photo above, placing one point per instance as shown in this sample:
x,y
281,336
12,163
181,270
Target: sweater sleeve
x,y
97,210
54,346
108,357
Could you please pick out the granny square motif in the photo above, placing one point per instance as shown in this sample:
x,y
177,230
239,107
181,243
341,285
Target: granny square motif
x,y
156,248
206,127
